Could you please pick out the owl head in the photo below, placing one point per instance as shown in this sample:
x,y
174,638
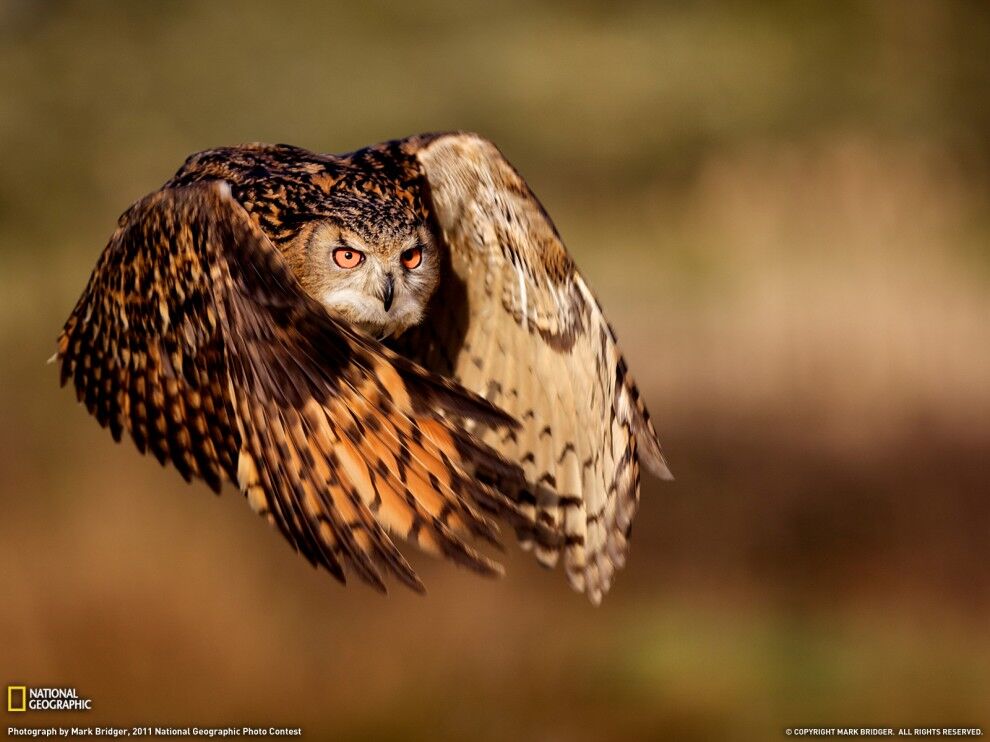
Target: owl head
x,y
373,267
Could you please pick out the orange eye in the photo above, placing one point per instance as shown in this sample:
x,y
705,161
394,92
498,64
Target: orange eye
x,y
345,257
412,257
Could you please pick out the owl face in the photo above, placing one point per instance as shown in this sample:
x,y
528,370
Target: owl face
x,y
378,280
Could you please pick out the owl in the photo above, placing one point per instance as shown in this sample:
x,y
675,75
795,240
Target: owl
x,y
392,342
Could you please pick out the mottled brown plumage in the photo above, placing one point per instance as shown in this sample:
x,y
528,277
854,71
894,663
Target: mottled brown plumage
x,y
215,332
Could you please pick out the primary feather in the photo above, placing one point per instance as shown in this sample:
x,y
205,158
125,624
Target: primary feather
x,y
535,342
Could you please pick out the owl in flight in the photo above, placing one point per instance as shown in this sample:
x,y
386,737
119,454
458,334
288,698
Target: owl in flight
x,y
393,341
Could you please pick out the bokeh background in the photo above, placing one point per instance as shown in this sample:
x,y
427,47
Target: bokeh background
x,y
784,210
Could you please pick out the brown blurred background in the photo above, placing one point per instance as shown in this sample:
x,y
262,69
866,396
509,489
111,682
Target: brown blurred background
x,y
784,210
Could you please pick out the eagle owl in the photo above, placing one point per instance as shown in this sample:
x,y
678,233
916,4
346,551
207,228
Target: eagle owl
x,y
392,341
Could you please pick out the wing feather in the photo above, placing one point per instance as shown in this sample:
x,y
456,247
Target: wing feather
x,y
515,322
194,337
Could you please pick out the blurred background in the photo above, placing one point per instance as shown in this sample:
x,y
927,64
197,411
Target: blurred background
x,y
784,210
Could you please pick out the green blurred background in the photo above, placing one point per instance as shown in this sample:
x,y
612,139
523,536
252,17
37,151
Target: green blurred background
x,y
783,208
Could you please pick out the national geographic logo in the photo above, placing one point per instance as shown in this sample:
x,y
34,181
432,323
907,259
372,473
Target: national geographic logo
x,y
17,698
22,698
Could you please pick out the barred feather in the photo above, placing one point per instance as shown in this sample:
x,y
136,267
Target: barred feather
x,y
535,343
195,338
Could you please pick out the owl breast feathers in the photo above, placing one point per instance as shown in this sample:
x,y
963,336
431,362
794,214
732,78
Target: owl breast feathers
x,y
394,341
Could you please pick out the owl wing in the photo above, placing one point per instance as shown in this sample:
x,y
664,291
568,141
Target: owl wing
x,y
195,338
514,321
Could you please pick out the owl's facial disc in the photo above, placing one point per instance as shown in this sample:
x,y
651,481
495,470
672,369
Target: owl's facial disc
x,y
379,282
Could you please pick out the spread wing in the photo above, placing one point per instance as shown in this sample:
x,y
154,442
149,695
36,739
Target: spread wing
x,y
195,338
516,322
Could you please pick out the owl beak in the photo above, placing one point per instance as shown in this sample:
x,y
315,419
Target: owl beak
x,y
387,292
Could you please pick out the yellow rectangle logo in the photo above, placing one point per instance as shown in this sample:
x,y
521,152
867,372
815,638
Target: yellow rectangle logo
x,y
12,693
